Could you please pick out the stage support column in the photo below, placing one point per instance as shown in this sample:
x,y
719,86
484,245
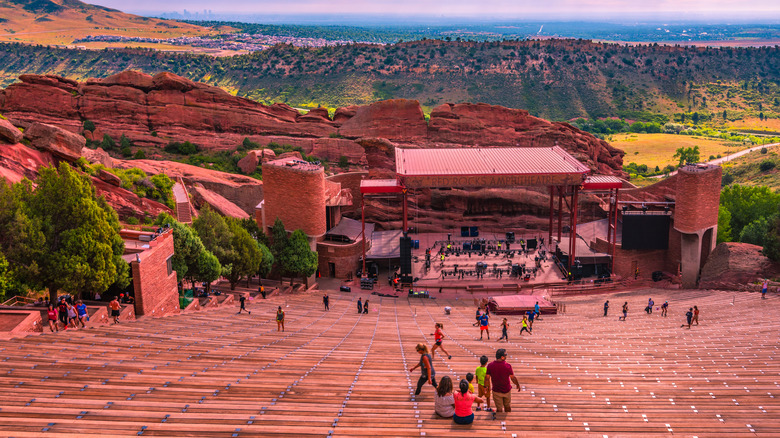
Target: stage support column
x,y
560,212
363,224
573,226
612,231
552,212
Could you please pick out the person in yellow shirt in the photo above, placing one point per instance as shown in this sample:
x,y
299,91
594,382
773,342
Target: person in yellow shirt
x,y
481,372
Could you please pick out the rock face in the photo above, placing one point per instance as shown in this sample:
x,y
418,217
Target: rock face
x,y
177,109
61,143
9,133
735,265
203,196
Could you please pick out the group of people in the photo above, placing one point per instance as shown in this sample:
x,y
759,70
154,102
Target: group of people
x,y
67,313
692,315
362,307
494,379
526,325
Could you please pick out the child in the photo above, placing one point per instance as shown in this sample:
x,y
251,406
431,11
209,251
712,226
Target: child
x,y
481,372
438,336
470,379
504,331
525,325
280,319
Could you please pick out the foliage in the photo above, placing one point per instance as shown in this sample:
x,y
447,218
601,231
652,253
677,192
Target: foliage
x,y
157,187
724,225
179,148
61,235
188,249
757,231
278,239
266,262
88,125
297,258
747,204
687,155
766,165
344,162
208,268
245,252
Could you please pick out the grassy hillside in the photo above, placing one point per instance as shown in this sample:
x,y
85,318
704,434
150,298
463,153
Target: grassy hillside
x,y
759,168
60,22
555,79
658,149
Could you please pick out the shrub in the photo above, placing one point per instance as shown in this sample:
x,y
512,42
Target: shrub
x,y
88,125
766,165
139,155
344,162
763,151
185,148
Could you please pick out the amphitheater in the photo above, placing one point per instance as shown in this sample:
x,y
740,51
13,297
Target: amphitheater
x,y
217,374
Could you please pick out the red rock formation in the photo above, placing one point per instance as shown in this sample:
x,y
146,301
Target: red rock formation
x,y
18,161
59,142
734,265
203,196
9,133
397,119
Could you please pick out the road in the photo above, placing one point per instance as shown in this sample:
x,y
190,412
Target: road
x,y
726,158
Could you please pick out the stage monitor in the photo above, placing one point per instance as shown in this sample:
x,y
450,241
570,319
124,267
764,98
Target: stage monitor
x,y
531,243
646,231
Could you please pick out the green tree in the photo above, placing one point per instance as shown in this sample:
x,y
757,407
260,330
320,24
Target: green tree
x,y
724,225
297,257
245,253
188,249
266,262
5,277
108,143
208,268
687,155
278,239
756,232
747,204
214,233
63,236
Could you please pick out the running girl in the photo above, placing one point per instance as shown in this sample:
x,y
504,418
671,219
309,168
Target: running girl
x,y
438,336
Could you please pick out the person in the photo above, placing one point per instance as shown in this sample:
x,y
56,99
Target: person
x,y
696,314
531,317
360,305
476,324
52,315
444,404
97,296
261,289
483,326
242,300
764,288
365,308
649,308
688,317
480,372
438,337
470,379
114,306
427,373
625,312
130,299
664,308
537,311
81,309
606,307
464,399
326,301
636,273
72,316
62,313
279,319
38,302
504,331
524,325
497,380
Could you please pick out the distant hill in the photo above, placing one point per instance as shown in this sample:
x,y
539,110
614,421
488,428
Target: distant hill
x,y
60,22
553,79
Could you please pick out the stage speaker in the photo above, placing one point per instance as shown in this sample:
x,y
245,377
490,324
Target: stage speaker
x,y
530,243
406,255
464,231
510,236
474,231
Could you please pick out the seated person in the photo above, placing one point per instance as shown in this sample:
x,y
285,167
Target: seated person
x,y
444,404
464,399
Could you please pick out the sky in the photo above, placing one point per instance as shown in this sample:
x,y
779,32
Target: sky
x,y
721,10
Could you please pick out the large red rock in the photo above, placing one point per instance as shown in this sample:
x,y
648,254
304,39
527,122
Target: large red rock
x,y
56,140
9,133
397,119
18,161
203,196
249,163
736,265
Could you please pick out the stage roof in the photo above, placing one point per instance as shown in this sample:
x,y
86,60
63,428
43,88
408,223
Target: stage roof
x,y
348,230
488,167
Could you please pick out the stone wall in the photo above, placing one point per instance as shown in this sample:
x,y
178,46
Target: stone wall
x,y
346,257
155,286
296,196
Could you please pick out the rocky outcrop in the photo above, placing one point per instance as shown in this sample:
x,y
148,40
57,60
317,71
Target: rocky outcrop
x,y
737,266
18,161
243,191
203,196
9,133
152,110
58,141
97,156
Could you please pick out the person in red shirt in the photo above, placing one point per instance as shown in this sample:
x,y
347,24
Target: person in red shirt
x,y
52,315
463,403
438,336
499,374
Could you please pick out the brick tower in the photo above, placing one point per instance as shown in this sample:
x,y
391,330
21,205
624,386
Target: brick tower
x,y
696,216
